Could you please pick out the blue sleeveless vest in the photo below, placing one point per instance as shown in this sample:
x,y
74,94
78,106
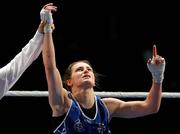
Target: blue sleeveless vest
x,y
76,122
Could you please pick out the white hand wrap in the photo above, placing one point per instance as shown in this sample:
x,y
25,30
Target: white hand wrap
x,y
157,70
43,15
46,16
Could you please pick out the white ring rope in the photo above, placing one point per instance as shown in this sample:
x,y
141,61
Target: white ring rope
x,y
102,94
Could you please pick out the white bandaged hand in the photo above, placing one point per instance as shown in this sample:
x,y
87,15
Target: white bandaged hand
x,y
157,67
46,16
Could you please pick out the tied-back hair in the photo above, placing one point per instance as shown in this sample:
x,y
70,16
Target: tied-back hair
x,y
68,72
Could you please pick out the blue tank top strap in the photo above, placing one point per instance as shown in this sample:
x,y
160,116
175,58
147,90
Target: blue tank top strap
x,y
98,97
70,95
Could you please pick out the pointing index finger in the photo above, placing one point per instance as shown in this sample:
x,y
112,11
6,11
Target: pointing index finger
x,y
154,51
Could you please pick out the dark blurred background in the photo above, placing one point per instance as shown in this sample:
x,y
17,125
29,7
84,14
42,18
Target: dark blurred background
x,y
117,38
